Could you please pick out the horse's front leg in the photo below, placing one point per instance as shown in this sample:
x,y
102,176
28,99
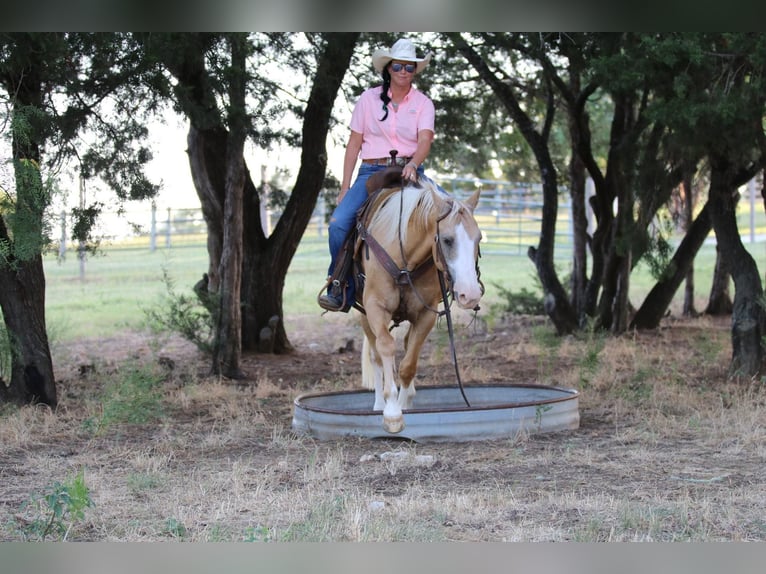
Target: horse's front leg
x,y
385,345
416,336
393,421
372,367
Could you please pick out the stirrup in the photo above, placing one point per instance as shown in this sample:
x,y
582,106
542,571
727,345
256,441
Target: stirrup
x,y
329,302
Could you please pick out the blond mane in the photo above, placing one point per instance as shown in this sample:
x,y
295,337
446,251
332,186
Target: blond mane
x,y
396,212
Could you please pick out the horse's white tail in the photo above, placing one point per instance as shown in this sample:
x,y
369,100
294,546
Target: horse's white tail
x,y
368,378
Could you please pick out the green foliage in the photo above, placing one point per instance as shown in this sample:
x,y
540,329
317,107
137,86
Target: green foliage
x,y
185,315
56,511
134,397
659,251
84,221
24,211
522,302
82,82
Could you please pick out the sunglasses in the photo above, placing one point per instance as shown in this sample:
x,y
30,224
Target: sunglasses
x,y
397,67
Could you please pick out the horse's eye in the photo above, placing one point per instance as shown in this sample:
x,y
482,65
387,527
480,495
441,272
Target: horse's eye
x,y
448,242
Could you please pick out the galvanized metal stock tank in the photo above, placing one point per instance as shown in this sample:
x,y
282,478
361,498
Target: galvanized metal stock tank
x,y
440,414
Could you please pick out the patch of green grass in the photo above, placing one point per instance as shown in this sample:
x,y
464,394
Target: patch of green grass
x,y
134,396
115,287
257,534
142,482
640,388
660,524
320,523
175,529
594,529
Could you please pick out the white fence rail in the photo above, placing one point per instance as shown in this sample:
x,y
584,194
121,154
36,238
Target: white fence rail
x,y
509,215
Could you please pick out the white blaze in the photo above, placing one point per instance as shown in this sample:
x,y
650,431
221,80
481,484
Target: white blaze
x,y
466,284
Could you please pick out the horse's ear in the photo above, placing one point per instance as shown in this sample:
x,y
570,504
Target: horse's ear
x,y
473,201
443,204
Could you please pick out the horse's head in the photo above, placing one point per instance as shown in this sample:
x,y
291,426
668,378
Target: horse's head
x,y
456,249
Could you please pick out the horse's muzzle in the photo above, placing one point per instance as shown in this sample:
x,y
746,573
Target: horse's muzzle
x,y
468,299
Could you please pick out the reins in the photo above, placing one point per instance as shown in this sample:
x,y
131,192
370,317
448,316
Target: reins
x,y
448,314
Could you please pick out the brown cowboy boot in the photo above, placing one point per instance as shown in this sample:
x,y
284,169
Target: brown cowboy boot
x,y
334,299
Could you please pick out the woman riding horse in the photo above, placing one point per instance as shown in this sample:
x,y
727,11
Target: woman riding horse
x,y
392,116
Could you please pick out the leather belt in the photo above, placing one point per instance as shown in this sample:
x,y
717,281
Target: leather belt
x,y
400,161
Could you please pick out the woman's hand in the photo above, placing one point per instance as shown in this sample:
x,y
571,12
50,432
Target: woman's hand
x,y
410,171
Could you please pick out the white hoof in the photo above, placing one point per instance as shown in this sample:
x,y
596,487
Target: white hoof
x,y
393,425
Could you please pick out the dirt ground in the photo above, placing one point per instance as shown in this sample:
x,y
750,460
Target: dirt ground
x,y
668,448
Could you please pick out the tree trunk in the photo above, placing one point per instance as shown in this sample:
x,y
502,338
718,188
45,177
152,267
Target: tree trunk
x,y
719,301
265,261
207,163
22,277
616,243
687,198
556,302
748,316
228,345
659,298
577,192
22,298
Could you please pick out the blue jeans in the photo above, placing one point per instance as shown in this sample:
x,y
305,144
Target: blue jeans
x,y
343,218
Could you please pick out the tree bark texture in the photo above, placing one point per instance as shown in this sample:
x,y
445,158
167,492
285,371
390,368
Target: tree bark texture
x,y
748,316
719,302
615,231
207,163
228,344
22,299
577,193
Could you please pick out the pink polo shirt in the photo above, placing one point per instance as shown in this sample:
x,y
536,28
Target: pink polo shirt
x,y
399,130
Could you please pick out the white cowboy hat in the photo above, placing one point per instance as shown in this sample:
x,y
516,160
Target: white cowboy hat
x,y
403,50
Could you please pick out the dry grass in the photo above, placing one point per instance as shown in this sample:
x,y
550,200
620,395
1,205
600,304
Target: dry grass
x,y
667,450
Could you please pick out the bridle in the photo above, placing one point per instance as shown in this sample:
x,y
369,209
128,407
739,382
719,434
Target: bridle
x,y
444,278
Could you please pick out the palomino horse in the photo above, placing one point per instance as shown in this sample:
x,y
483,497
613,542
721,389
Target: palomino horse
x,y
409,236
